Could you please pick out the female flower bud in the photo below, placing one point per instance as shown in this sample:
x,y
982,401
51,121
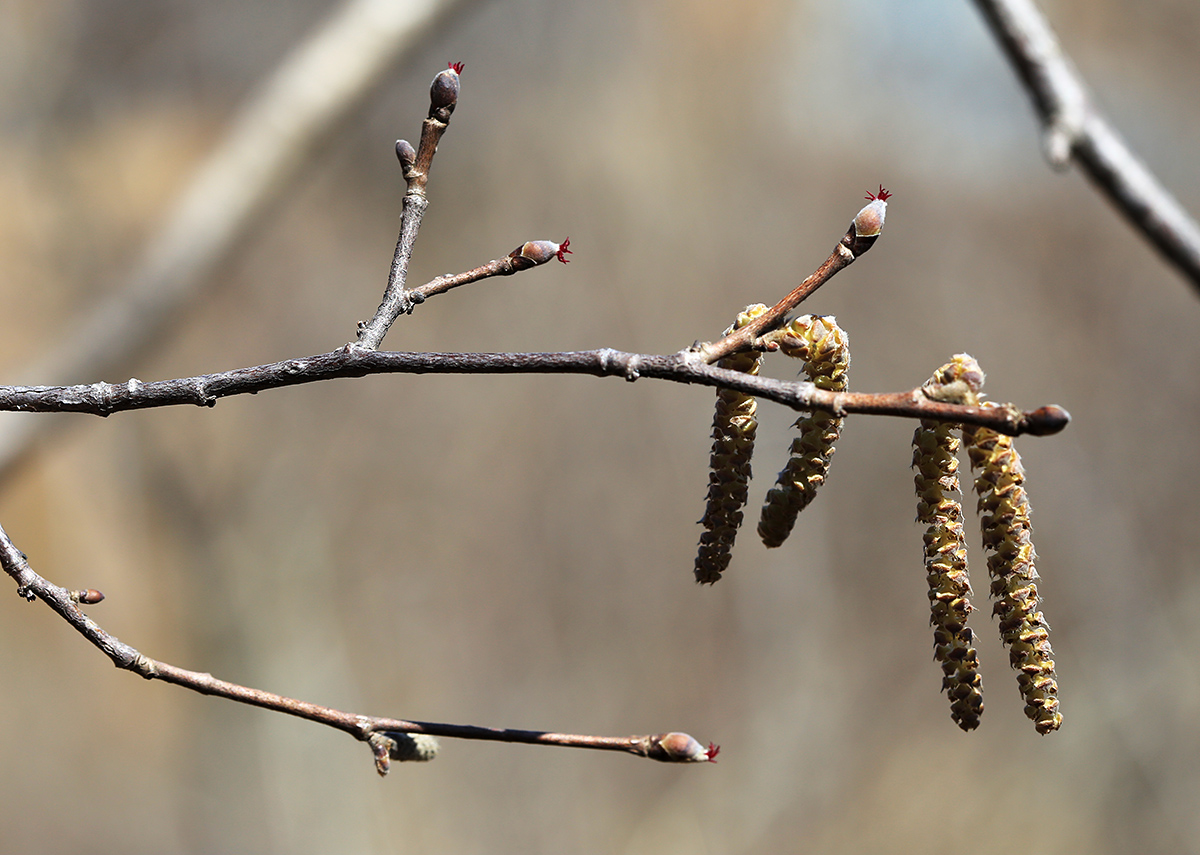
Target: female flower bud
x,y
869,221
443,92
537,252
678,747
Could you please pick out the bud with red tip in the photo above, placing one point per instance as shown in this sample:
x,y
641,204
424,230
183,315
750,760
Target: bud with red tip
x,y
537,252
678,747
869,222
443,92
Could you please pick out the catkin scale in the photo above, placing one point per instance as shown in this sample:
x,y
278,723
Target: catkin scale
x,y
734,428
825,349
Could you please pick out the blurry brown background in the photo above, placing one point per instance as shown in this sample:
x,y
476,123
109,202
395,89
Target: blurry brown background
x,y
522,555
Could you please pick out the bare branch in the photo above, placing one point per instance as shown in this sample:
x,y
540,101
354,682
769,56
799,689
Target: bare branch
x,y
380,733
688,366
1075,128
317,88
864,231
443,97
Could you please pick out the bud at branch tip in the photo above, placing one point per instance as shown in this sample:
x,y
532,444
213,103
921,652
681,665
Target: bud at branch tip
x,y
540,251
869,221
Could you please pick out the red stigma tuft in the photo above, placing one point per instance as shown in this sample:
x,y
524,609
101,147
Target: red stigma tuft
x,y
712,752
562,248
458,67
882,195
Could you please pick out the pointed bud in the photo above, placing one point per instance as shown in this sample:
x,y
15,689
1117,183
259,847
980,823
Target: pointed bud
x,y
443,92
537,252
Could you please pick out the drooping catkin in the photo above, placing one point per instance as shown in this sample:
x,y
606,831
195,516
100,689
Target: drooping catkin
x,y
734,427
935,458
1005,520
825,349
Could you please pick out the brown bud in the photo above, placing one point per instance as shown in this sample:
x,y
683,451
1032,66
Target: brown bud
x,y
443,92
88,597
406,154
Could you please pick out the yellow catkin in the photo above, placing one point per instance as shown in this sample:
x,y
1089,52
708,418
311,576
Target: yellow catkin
x,y
825,349
1005,520
935,458
734,427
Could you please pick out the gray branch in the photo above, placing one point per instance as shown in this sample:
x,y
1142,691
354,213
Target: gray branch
x,y
1075,129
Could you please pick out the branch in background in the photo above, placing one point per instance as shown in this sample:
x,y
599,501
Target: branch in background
x,y
313,93
1075,128
688,366
389,738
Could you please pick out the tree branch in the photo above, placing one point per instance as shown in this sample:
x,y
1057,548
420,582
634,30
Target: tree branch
x,y
389,738
1075,128
688,366
313,92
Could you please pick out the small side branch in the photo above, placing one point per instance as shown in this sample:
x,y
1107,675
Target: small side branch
x,y
1076,129
389,738
443,97
689,366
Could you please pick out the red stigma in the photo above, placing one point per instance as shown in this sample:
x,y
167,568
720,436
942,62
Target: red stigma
x,y
458,67
562,248
712,752
882,195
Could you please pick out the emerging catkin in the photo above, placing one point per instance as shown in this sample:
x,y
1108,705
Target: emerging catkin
x,y
825,349
935,458
1005,520
734,427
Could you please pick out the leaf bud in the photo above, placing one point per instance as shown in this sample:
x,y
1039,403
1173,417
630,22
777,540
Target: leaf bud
x,y
406,154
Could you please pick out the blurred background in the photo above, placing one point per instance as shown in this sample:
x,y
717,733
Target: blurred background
x,y
517,551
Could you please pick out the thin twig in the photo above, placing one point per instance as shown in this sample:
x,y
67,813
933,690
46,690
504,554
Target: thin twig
x,y
864,231
688,366
314,91
374,730
1075,128
443,97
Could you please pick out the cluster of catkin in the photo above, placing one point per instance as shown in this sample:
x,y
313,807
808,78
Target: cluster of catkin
x,y
822,345
1004,513
999,483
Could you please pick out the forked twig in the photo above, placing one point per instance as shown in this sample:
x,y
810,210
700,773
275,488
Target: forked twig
x,y
1076,129
313,92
